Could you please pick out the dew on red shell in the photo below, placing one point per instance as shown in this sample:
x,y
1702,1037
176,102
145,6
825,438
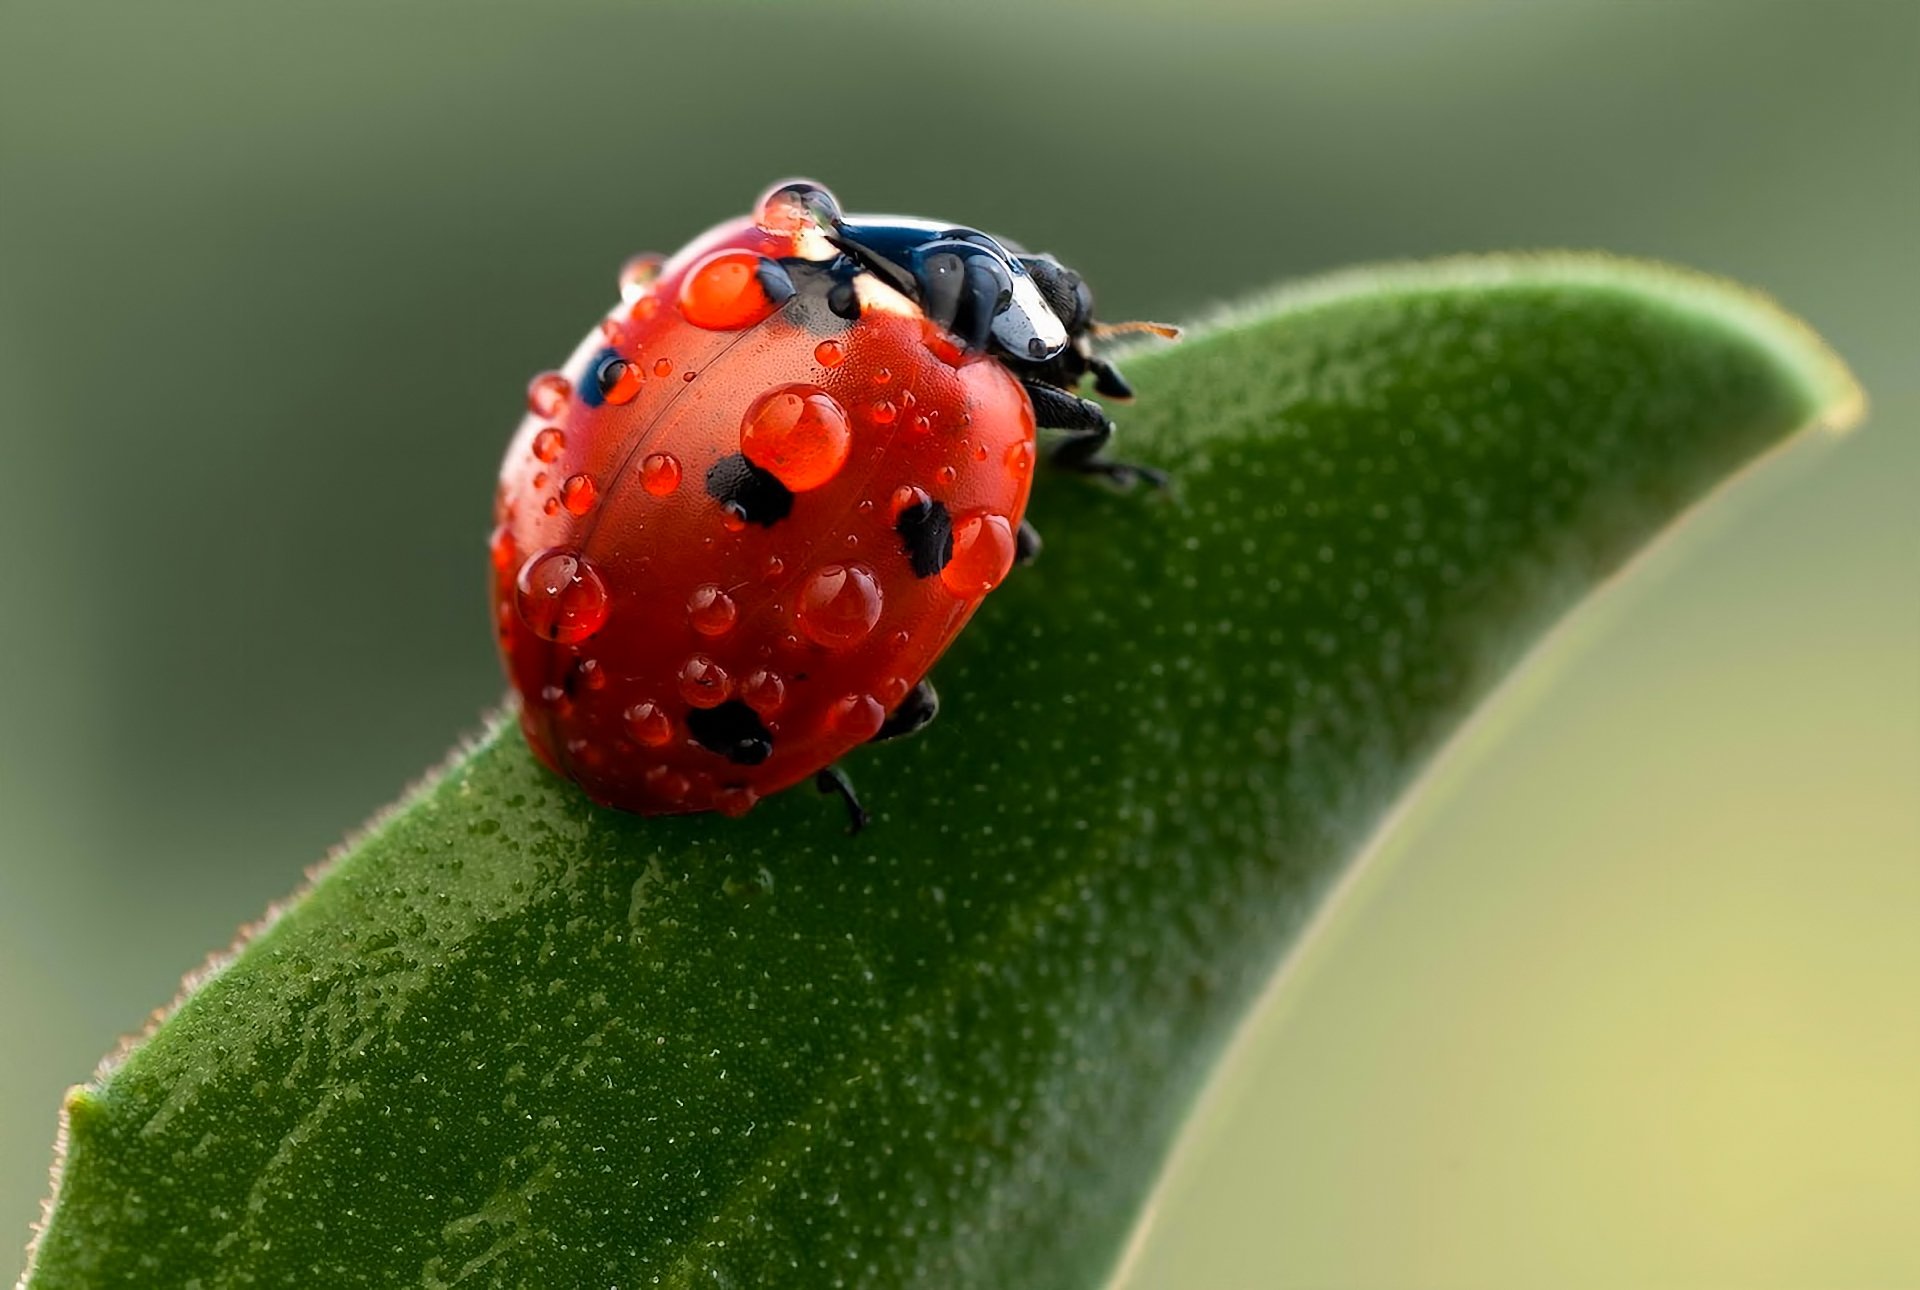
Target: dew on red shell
x,y
577,494
547,394
764,692
560,597
735,800
1019,458
703,682
829,353
638,274
838,605
548,444
649,723
662,367
660,473
857,716
711,610
723,292
799,434
883,413
983,548
667,783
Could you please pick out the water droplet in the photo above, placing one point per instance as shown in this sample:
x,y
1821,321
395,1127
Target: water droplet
x,y
638,274
774,568
548,443
587,674
894,690
735,800
857,716
644,308
980,452
711,610
723,292
666,783
500,548
660,473
794,207
901,637
560,597
838,605
884,413
612,330
662,367
649,723
733,519
551,506
577,494
906,498
618,379
947,474
829,353
547,394
540,478
881,375
1019,458
703,682
982,553
764,692
798,434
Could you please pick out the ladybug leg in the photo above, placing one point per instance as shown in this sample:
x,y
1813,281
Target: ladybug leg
x,y
1089,430
834,780
1107,381
1026,544
920,706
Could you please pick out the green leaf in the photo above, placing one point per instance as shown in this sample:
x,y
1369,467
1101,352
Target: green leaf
x,y
509,1038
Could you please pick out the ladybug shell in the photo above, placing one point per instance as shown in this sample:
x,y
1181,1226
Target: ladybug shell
x,y
685,637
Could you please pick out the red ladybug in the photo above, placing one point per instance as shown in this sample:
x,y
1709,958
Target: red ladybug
x,y
739,526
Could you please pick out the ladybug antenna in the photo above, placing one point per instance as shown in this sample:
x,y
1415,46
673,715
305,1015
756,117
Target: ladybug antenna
x,y
1103,331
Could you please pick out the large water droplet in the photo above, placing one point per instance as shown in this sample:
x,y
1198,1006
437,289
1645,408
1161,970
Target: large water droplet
x,y
857,716
983,548
711,610
838,605
703,682
547,394
560,597
798,434
660,473
724,293
649,724
577,494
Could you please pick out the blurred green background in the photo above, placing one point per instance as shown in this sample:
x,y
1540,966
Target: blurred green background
x,y
1628,999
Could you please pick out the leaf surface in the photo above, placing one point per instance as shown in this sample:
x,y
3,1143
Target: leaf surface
x,y
508,1038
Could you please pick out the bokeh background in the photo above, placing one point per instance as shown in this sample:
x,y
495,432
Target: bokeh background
x,y
1632,996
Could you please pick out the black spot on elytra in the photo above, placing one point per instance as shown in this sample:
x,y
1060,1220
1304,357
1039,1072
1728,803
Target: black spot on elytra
x,y
926,533
748,491
602,372
733,730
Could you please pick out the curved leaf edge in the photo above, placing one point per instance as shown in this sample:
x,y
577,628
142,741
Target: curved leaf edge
x,y
1834,403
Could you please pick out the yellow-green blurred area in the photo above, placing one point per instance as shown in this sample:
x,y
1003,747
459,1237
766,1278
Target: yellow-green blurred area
x,y
1631,997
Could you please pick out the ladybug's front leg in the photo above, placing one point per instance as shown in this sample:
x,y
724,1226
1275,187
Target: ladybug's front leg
x,y
1089,430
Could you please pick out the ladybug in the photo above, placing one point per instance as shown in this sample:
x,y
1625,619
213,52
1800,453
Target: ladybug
x,y
737,528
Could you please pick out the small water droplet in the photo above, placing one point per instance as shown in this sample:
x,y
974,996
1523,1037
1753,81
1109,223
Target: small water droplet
x,y
881,375
551,506
764,692
660,473
1019,458
838,605
980,452
774,568
723,292
894,690
735,800
560,597
577,494
905,498
638,274
662,367
798,434
618,379
703,682
884,412
983,548
540,478
649,723
829,353
587,674
548,443
500,548
857,716
644,308
711,610
666,783
947,474
547,394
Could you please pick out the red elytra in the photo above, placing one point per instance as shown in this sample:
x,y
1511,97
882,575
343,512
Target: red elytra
x,y
632,597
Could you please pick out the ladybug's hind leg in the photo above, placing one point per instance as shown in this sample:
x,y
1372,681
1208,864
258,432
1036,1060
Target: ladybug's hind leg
x,y
1026,544
921,706
1088,431
834,780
